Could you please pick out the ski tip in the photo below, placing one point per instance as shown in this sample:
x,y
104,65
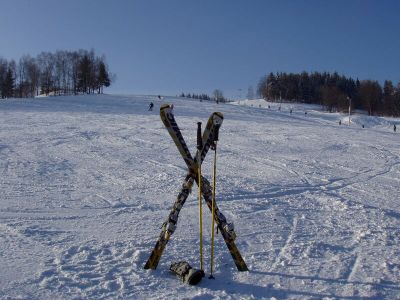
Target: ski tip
x,y
164,106
219,114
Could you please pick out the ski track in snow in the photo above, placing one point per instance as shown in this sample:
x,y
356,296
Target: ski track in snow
x,y
87,182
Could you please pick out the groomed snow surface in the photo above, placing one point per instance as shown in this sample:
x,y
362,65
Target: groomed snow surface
x,y
87,181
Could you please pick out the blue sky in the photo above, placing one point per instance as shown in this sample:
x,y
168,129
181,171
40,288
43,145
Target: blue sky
x,y
170,46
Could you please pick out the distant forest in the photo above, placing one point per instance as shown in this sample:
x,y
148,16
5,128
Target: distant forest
x,y
218,96
333,91
59,73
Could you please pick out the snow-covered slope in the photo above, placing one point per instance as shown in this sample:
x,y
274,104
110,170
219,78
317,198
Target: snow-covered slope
x,y
87,181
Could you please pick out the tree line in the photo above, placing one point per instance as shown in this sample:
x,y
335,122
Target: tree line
x,y
218,96
196,96
58,73
335,92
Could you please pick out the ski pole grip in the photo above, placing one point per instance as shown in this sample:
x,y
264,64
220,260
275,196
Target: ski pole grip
x,y
199,139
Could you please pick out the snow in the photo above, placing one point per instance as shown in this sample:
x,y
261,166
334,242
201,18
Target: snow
x,y
87,181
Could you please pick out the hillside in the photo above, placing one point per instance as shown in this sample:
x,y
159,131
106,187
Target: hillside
x,y
87,182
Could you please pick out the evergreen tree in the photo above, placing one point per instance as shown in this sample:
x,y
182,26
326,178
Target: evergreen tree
x,y
271,89
397,101
371,94
3,72
84,73
305,88
103,77
8,84
389,96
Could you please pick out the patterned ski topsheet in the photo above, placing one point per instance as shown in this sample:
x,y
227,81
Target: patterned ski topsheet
x,y
212,127
213,124
169,226
221,222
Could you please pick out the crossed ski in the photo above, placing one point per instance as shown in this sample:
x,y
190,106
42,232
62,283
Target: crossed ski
x,y
169,226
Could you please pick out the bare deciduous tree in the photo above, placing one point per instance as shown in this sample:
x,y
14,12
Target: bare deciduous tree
x,y
59,73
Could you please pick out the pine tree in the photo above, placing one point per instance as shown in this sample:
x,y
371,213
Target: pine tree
x,y
103,77
371,94
84,72
8,84
388,98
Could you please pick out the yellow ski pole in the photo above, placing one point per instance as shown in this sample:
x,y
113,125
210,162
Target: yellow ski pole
x,y
213,212
213,203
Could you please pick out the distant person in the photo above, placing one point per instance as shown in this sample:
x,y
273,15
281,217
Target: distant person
x,y
394,127
159,97
291,111
340,122
151,106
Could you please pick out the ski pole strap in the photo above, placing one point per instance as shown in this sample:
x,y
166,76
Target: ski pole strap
x,y
199,137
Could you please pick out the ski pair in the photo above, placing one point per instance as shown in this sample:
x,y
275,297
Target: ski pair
x,y
169,226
